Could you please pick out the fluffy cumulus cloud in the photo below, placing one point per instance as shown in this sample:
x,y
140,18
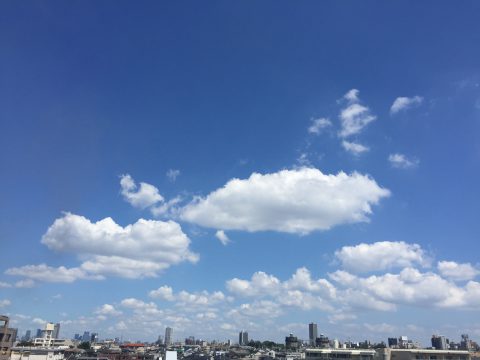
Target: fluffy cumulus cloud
x,y
457,271
411,287
142,249
4,303
318,125
405,103
354,117
382,255
293,201
184,298
142,197
354,148
108,310
401,161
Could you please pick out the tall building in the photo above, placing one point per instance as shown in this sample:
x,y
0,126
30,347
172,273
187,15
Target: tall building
x,y
168,336
56,331
86,336
28,335
243,338
439,342
312,333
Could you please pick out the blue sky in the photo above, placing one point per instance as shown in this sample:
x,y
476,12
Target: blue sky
x,y
351,128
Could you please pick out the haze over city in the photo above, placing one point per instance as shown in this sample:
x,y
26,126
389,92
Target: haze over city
x,y
218,166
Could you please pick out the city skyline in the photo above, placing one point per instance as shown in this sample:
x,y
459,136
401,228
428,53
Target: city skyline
x,y
225,166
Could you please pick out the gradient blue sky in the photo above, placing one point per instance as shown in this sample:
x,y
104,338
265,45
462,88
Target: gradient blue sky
x,y
217,90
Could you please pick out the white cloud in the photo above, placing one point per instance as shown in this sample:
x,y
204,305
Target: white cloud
x,y
39,321
410,287
382,328
260,284
5,285
139,250
108,310
220,235
163,293
354,117
4,303
456,271
47,273
293,201
382,255
144,196
172,174
352,95
25,283
141,307
404,103
318,125
184,298
402,162
258,309
354,148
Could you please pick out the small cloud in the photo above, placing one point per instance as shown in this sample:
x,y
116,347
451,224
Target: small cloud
x,y
4,303
457,271
172,174
220,235
141,197
25,283
352,95
5,285
354,148
318,125
303,160
400,161
354,117
405,103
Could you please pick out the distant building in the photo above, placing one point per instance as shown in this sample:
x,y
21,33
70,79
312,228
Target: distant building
x,y
439,342
322,341
56,331
27,336
392,342
94,338
168,336
7,338
86,336
291,343
46,340
243,338
312,333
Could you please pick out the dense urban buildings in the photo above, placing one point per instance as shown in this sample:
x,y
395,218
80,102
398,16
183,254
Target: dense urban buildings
x,y
317,347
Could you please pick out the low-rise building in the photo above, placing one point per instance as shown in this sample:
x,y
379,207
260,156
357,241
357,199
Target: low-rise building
x,y
421,354
329,354
7,338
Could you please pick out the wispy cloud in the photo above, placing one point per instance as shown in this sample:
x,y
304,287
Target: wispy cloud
x,y
354,148
318,125
220,235
172,174
405,103
401,161
354,117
